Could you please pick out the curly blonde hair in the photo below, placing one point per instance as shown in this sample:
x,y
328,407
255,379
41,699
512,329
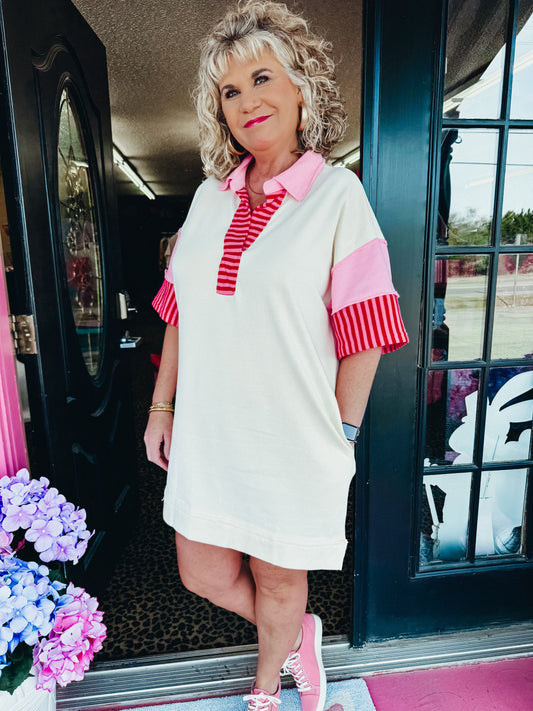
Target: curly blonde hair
x,y
245,32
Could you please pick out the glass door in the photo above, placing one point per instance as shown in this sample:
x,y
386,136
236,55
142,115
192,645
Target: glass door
x,y
478,349
448,459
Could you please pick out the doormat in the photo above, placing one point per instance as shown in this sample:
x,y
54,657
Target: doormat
x,y
493,686
351,695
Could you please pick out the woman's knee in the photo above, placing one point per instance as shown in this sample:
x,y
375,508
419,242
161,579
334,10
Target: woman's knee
x,y
278,582
208,571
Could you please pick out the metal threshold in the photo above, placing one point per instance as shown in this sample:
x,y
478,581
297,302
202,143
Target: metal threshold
x,y
230,670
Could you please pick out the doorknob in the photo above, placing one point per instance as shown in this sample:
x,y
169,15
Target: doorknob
x,y
125,308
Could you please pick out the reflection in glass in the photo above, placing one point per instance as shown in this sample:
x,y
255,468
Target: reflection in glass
x,y
522,95
444,518
509,414
501,512
466,197
451,398
517,220
79,233
512,336
475,54
460,297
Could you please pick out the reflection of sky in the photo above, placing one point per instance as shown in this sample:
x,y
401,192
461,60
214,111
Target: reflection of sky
x,y
473,160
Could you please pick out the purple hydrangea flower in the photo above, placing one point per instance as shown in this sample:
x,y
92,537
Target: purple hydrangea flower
x,y
55,526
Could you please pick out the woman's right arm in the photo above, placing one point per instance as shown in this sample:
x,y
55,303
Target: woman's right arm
x,y
158,433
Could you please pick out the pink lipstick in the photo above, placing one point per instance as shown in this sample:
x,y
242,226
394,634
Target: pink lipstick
x,y
259,119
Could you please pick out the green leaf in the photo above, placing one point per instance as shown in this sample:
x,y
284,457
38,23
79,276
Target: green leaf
x,y
57,572
19,670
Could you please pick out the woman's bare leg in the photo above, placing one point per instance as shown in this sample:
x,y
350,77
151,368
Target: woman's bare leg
x,y
280,602
272,598
218,574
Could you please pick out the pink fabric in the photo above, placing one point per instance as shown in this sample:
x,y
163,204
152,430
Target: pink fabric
x,y
245,228
168,272
494,686
363,274
12,438
296,180
369,324
165,303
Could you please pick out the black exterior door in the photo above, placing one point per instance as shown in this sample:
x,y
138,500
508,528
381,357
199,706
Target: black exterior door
x,y
57,166
445,490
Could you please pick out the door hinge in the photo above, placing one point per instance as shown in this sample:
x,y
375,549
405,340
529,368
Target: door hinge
x,y
23,331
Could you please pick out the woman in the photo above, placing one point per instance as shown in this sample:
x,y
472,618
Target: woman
x,y
280,272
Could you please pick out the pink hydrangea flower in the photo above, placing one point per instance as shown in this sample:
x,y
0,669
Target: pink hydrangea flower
x,y
78,633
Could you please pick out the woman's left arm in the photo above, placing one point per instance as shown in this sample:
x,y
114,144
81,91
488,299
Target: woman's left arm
x,y
354,382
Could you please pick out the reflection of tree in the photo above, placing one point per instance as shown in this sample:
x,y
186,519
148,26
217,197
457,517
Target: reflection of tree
x,y
470,266
467,229
516,223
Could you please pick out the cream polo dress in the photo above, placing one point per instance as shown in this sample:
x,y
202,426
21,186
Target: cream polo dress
x,y
259,461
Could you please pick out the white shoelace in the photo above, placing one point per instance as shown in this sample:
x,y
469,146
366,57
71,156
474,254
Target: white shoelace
x,y
261,702
293,666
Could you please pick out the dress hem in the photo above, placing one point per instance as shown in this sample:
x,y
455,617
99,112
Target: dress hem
x,y
277,551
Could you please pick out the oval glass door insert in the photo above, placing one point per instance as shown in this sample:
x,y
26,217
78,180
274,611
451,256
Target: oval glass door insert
x,y
79,234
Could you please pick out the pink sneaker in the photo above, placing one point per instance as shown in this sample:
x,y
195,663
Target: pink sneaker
x,y
306,666
261,700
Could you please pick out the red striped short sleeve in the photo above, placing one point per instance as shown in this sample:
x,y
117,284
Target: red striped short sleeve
x,y
369,324
165,303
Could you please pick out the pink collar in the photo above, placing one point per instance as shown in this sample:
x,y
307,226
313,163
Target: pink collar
x,y
296,180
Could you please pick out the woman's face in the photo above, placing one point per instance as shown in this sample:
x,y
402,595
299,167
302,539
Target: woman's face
x,y
261,105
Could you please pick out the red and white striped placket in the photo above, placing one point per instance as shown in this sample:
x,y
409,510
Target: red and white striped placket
x,y
245,227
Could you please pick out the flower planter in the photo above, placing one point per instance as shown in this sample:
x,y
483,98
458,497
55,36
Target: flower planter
x,y
27,698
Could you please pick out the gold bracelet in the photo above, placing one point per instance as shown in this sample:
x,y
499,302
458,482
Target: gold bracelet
x,y
158,408
162,404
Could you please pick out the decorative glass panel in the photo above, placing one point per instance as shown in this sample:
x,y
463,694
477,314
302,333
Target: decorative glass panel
x,y
451,416
475,54
509,414
517,219
512,336
444,518
501,512
79,233
466,197
460,297
522,96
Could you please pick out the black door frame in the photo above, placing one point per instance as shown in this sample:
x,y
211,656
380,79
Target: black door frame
x,y
81,430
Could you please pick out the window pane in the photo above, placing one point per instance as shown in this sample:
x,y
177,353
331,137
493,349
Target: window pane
x,y
512,336
444,518
475,53
81,248
509,413
451,400
466,197
501,512
517,220
460,293
522,96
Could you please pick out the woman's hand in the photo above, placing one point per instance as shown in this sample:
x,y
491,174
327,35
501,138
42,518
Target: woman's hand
x,y
157,437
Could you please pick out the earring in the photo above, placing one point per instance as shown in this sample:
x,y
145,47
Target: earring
x,y
232,147
304,118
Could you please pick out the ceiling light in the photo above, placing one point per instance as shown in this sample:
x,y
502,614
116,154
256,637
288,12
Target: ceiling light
x,y
127,169
349,159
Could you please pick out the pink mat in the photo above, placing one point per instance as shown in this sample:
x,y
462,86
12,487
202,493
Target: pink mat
x,y
492,686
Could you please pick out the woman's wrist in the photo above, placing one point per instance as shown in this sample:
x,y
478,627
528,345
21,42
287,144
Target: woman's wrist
x,y
161,406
